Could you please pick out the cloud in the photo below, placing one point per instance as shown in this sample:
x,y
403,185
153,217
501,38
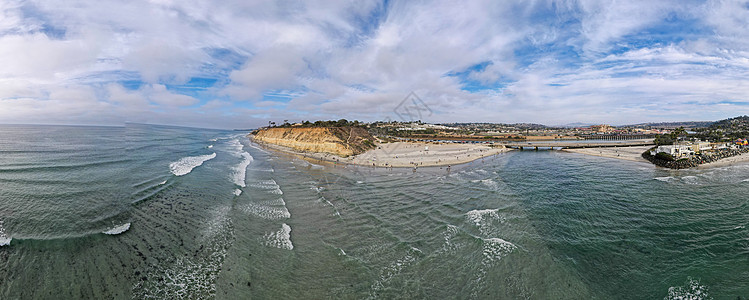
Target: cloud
x,y
239,64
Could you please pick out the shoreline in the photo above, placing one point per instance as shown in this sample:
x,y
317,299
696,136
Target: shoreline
x,y
415,155
401,154
634,153
725,162
629,153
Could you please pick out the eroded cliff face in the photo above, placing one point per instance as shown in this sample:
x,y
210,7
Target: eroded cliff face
x,y
341,141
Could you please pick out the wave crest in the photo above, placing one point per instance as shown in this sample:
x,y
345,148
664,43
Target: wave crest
x,y
185,165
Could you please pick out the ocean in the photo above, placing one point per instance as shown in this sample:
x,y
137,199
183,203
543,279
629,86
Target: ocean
x,y
159,212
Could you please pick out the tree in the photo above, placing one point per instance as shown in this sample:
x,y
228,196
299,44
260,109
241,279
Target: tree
x,y
676,133
664,139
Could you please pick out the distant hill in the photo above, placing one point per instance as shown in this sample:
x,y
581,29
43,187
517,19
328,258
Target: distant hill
x,y
737,123
689,124
496,125
726,130
574,125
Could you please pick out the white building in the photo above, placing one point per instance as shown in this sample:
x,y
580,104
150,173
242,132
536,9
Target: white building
x,y
677,151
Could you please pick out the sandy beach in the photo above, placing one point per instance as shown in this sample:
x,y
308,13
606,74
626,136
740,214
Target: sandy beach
x,y
633,153
406,154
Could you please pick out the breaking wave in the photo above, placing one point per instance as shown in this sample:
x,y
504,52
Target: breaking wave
x,y
240,171
4,238
185,165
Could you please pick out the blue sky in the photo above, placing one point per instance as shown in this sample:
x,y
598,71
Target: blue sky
x,y
240,64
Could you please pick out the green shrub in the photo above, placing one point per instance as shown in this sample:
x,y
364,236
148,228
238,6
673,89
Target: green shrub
x,y
368,143
664,156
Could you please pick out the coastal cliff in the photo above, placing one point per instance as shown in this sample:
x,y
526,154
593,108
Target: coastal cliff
x,y
340,141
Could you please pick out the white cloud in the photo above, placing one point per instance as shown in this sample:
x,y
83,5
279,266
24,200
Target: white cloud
x,y
546,61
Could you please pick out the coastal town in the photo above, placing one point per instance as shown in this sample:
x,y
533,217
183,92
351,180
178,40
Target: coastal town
x,y
676,145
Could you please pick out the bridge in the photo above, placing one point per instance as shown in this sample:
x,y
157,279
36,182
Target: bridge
x,y
577,144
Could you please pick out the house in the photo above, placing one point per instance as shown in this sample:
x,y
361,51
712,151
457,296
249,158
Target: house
x,y
677,151
701,146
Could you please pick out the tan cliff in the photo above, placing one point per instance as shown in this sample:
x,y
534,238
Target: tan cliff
x,y
340,141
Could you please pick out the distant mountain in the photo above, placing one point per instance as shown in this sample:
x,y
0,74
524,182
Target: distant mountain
x,y
575,125
690,124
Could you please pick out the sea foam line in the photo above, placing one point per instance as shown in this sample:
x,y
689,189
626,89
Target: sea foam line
x,y
117,229
240,171
186,164
4,238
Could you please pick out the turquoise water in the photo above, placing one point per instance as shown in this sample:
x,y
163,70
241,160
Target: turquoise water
x,y
163,212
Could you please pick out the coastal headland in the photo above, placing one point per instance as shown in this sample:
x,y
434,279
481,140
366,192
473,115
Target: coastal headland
x,y
324,145
338,141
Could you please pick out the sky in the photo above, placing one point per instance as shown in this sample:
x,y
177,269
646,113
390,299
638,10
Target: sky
x,y
240,64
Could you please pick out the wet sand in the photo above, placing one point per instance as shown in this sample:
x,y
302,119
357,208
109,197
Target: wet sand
x,y
633,153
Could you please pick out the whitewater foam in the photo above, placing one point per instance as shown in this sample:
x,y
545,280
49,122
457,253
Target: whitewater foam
x,y
477,217
274,202
192,276
691,290
266,185
690,179
664,179
162,183
493,250
117,229
280,239
392,271
240,170
496,248
237,192
186,164
4,238
266,211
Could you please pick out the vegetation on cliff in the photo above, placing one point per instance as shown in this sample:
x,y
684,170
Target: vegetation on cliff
x,y
308,124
